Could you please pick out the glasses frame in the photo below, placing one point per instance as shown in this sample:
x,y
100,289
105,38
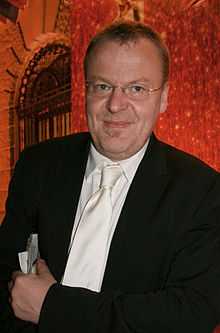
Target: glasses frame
x,y
149,91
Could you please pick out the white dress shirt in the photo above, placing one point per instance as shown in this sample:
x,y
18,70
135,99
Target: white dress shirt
x,y
91,184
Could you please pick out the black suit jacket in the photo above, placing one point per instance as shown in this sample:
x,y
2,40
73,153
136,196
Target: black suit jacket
x,y
163,268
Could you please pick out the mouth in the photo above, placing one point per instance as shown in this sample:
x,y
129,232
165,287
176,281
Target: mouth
x,y
116,124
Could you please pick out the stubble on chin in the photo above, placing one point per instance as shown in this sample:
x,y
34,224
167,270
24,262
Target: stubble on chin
x,y
113,133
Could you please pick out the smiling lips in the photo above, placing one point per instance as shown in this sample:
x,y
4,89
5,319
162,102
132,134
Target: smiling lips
x,y
117,124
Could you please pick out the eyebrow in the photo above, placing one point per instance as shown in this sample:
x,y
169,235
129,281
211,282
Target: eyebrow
x,y
100,78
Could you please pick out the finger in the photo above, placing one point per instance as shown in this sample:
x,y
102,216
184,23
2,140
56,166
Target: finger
x,y
43,271
42,267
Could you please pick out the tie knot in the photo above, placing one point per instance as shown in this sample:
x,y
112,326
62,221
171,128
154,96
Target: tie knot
x,y
110,175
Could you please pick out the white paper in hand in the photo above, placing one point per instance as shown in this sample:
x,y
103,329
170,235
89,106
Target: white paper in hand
x,y
28,258
22,256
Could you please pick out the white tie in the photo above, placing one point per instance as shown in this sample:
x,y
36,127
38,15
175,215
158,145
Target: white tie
x,y
86,259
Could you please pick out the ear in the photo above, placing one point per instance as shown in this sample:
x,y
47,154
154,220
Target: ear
x,y
164,98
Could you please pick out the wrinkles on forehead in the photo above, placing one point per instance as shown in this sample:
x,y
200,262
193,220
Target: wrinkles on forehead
x,y
131,42
113,61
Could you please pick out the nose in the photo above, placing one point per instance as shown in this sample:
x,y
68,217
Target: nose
x,y
117,100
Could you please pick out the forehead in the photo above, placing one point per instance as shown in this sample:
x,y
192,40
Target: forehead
x,y
125,61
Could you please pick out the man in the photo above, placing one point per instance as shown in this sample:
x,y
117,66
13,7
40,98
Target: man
x,y
157,268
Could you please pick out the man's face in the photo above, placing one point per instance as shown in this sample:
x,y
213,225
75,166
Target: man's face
x,y
121,122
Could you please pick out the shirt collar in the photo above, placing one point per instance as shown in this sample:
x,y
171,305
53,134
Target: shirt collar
x,y
129,166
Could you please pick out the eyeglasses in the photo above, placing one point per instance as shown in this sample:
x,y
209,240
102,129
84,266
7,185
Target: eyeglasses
x,y
135,91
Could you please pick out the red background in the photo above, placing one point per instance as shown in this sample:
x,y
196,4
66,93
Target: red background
x,y
192,33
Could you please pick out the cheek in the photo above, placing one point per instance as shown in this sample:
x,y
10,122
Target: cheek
x,y
94,115
147,118
90,113
93,110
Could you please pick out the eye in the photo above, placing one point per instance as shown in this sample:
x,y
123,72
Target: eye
x,y
102,87
136,89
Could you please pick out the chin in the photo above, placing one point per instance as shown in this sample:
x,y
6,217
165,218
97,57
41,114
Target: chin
x,y
117,133
114,152
114,142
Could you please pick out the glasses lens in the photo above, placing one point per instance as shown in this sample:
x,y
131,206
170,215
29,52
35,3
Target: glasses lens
x,y
137,91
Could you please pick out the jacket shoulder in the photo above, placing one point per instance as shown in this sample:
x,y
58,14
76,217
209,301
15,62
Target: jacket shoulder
x,y
183,163
62,145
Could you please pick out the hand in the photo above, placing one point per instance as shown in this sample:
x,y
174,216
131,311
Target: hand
x,y
28,291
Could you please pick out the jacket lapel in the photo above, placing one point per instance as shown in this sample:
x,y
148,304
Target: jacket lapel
x,y
68,181
141,203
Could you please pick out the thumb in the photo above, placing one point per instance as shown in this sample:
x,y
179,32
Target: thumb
x,y
41,267
43,272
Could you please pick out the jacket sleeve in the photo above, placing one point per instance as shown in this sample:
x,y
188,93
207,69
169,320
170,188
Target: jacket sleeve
x,y
17,225
188,302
